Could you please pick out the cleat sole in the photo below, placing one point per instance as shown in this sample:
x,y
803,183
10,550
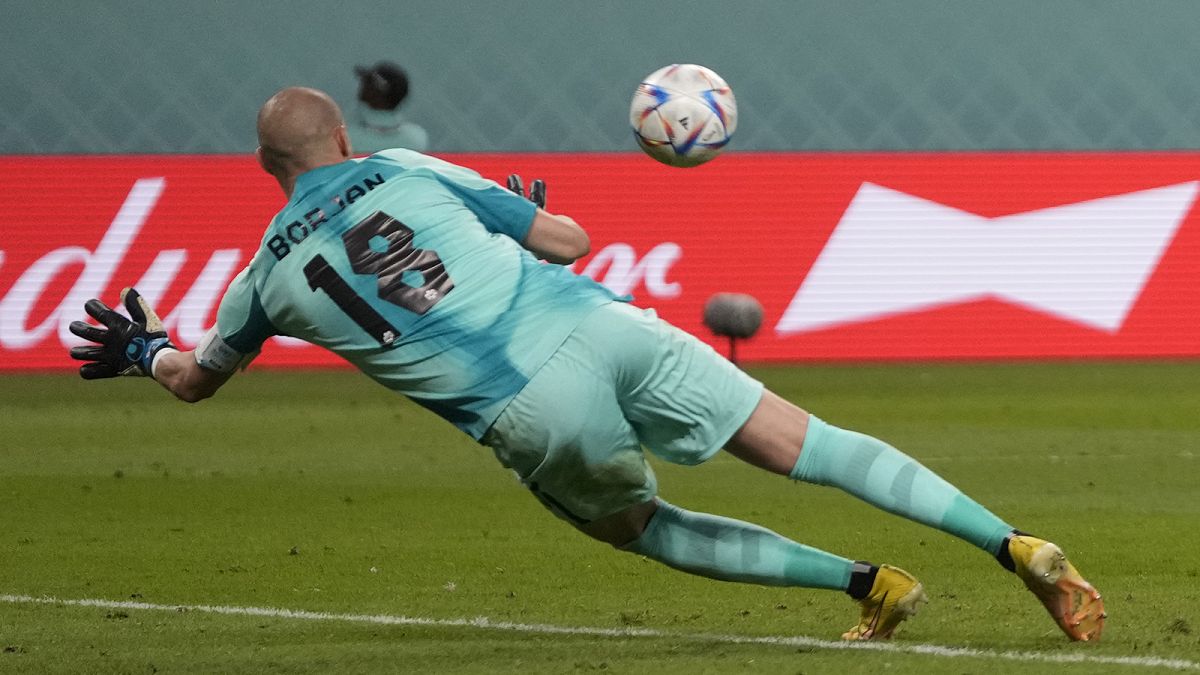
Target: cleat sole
x,y
1074,603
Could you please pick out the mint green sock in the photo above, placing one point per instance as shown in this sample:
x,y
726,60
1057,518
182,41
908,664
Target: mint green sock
x,y
881,475
733,550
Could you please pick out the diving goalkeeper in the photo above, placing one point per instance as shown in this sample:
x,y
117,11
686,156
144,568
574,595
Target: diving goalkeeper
x,y
427,278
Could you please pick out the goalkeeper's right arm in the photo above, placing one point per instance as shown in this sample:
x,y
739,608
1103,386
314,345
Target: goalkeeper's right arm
x,y
556,239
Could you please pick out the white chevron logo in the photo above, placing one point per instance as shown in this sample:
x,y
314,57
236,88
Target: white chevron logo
x,y
893,253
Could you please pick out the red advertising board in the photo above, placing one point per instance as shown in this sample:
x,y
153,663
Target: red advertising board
x,y
853,256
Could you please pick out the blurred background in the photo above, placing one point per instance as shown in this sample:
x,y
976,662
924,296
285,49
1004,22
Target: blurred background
x,y
542,75
1018,145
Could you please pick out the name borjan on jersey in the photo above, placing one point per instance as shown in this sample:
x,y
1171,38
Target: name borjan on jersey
x,y
297,231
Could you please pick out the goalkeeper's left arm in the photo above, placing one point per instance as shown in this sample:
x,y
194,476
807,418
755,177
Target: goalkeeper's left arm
x,y
139,346
183,376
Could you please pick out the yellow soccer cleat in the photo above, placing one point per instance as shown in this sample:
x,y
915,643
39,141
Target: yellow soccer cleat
x,y
895,596
1073,602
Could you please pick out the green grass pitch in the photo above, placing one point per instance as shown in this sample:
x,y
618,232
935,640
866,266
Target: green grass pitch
x,y
321,492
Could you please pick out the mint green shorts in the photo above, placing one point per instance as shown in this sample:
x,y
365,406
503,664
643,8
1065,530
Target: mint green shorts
x,y
622,380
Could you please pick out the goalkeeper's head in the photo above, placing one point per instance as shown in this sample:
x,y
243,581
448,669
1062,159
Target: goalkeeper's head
x,y
300,129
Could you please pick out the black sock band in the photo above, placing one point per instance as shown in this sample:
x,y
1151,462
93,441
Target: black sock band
x,y
862,578
1003,556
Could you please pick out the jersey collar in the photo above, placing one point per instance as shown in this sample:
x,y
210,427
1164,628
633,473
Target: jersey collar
x,y
313,178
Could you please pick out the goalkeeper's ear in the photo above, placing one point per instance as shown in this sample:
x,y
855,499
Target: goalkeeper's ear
x,y
140,310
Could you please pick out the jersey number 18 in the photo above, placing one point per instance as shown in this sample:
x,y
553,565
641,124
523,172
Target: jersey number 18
x,y
389,268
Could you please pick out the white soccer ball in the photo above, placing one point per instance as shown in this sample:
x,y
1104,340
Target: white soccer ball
x,y
683,114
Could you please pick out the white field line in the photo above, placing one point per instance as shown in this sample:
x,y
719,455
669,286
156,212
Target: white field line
x,y
549,629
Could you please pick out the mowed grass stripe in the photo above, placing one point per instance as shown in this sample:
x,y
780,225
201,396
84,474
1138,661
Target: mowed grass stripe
x,y
484,623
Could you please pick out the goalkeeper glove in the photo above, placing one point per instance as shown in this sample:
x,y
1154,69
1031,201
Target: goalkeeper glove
x,y
537,189
124,346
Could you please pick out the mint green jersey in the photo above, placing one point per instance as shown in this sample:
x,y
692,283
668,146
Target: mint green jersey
x,y
411,269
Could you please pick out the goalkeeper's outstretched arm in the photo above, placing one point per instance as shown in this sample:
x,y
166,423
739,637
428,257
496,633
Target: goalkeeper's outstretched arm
x,y
139,346
179,373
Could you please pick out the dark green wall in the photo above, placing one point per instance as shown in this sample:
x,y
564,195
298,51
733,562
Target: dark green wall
x,y
172,76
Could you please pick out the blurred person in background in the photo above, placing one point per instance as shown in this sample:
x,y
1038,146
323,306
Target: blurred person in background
x,y
377,123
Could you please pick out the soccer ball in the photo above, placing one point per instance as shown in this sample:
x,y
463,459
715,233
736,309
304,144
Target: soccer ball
x,y
683,114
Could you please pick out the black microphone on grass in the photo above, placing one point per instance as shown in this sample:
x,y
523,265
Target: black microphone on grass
x,y
736,316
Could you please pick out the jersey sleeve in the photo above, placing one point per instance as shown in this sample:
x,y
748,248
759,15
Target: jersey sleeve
x,y
242,323
499,209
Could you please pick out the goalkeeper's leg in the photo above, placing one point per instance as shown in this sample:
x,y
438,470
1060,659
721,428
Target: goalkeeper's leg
x,y
782,438
734,550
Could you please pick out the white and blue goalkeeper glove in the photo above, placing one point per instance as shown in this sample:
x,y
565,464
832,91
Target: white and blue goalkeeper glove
x,y
123,346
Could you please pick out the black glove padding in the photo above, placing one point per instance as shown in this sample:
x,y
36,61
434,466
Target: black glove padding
x,y
123,346
537,189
